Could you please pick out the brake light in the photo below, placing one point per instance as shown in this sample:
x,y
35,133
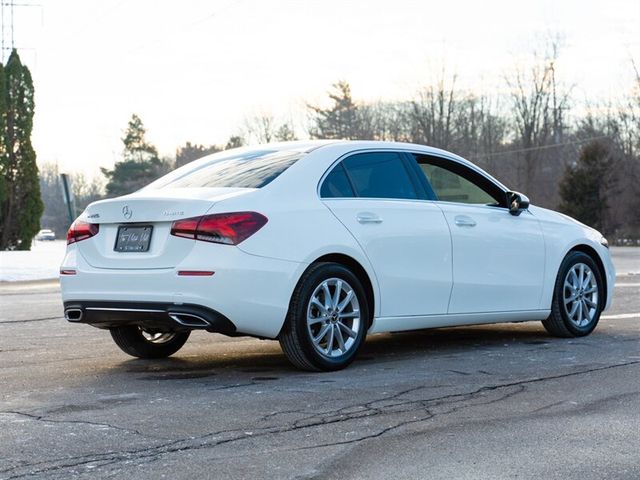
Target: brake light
x,y
227,228
80,230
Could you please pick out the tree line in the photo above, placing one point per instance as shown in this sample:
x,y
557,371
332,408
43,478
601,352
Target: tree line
x,y
530,136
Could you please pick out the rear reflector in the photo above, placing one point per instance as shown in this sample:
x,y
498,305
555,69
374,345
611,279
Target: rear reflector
x,y
226,228
67,272
195,273
80,230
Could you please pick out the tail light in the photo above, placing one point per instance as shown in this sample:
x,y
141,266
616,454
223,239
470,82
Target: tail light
x,y
80,230
227,228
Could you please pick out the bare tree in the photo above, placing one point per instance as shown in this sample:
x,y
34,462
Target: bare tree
x,y
265,129
389,121
434,113
260,128
539,103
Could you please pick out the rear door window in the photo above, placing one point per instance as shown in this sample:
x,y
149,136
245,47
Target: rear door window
x,y
380,175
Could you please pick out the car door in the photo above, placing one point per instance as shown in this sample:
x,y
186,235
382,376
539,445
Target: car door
x,y
377,196
498,258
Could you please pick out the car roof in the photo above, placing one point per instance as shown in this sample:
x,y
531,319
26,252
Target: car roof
x,y
307,146
310,145
304,146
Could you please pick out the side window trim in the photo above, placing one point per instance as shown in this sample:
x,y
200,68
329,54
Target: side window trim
x,y
348,175
421,184
424,190
465,172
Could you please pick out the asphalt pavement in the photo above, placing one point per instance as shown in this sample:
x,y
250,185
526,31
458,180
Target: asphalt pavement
x,y
499,401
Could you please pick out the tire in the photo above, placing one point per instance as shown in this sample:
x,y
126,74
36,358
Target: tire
x,y
561,322
143,344
312,313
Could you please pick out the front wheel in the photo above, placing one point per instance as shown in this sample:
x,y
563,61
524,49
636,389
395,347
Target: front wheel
x,y
327,320
143,343
578,298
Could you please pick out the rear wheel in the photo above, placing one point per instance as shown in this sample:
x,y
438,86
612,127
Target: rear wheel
x,y
577,298
146,343
327,320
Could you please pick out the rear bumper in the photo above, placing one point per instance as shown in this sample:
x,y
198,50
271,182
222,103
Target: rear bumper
x,y
251,292
165,316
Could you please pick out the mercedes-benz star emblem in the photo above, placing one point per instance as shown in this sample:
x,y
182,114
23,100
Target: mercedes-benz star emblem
x,y
127,212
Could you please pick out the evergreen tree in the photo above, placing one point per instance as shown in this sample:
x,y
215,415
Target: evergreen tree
x,y
140,164
136,146
190,152
342,120
4,186
285,133
585,186
20,202
235,141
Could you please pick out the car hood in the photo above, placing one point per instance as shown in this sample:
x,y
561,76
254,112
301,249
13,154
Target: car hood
x,y
556,217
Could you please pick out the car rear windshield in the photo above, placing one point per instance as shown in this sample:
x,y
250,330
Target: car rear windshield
x,y
252,169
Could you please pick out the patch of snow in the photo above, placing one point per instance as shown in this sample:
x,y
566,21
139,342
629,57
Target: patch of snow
x,y
40,263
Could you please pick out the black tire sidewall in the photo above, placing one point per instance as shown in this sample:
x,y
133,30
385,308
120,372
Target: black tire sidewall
x,y
567,264
305,290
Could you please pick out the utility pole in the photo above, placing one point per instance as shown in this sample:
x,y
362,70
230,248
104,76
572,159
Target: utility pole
x,y
67,195
6,20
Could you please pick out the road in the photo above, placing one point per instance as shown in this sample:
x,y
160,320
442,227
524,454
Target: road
x,y
500,401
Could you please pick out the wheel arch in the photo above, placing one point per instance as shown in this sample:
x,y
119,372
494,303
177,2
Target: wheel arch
x,y
359,271
593,254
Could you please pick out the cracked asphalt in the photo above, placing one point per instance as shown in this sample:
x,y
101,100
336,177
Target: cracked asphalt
x,y
499,401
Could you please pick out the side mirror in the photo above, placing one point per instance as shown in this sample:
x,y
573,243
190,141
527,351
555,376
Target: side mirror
x,y
518,202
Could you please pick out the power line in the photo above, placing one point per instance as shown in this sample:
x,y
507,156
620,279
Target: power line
x,y
543,147
189,26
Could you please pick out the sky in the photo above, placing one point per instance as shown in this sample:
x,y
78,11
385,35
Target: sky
x,y
196,70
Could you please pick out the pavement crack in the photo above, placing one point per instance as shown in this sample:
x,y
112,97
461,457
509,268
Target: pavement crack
x,y
391,404
29,320
42,418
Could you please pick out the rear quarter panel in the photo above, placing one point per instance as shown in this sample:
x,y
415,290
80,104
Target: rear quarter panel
x,y
300,228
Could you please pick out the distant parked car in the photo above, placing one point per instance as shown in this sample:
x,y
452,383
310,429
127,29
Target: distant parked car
x,y
46,234
319,244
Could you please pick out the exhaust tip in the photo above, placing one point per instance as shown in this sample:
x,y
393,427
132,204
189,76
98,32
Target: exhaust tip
x,y
189,320
73,314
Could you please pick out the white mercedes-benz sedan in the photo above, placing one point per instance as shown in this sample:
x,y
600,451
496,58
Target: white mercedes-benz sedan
x,y
318,244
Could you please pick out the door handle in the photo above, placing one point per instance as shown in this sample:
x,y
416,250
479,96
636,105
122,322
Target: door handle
x,y
464,221
368,217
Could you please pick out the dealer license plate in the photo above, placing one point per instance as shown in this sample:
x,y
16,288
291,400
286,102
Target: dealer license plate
x,y
133,239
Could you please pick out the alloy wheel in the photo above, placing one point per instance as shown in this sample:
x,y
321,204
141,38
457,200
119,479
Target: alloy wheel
x,y
580,295
333,318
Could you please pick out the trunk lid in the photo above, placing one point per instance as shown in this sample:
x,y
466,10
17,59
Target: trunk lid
x,y
155,208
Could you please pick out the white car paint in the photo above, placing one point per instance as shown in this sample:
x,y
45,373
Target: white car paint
x,y
424,270
416,278
498,263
